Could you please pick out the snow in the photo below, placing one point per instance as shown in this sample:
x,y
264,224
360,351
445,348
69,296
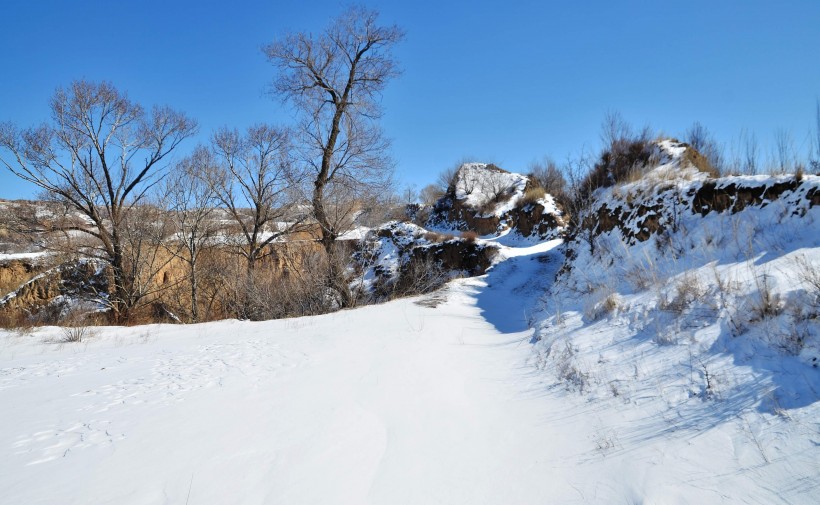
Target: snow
x,y
499,389
477,184
23,256
355,233
387,404
668,339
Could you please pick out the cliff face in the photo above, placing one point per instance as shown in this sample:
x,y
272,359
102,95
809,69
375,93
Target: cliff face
x,y
55,292
14,272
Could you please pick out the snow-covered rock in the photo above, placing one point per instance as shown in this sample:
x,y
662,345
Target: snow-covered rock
x,y
489,201
404,258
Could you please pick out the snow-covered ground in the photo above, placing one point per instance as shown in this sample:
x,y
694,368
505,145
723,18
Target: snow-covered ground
x,y
434,399
23,256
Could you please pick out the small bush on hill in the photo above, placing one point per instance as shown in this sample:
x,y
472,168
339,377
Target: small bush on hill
x,y
469,236
698,137
623,161
435,237
533,195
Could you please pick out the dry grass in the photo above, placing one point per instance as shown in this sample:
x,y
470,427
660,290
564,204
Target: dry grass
x,y
76,334
601,302
686,291
435,237
533,195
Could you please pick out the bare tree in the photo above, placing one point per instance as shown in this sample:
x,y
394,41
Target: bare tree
x,y
190,202
410,195
547,175
252,181
496,183
614,129
814,161
100,155
446,180
145,228
335,80
783,150
751,153
430,194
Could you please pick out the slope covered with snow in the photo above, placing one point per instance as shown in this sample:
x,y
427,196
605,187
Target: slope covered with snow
x,y
689,310
434,399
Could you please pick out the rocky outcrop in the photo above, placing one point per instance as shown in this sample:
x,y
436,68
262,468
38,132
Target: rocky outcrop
x,y
727,195
401,258
458,255
536,220
642,210
488,200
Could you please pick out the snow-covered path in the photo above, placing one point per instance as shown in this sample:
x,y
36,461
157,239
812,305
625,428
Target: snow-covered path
x,y
397,403
417,401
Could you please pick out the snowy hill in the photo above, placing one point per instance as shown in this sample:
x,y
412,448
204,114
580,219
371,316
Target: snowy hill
x,y
688,310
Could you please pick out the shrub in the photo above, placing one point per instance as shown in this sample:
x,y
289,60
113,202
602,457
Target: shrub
x,y
487,208
469,236
623,161
601,301
435,237
766,303
686,292
707,153
75,333
419,276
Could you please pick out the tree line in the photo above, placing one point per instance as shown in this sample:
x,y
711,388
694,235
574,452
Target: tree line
x,y
104,157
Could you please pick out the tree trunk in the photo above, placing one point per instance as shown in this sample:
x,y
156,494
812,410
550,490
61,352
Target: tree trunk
x,y
194,301
327,239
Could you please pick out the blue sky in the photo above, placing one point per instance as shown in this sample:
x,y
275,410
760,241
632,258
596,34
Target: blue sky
x,y
507,82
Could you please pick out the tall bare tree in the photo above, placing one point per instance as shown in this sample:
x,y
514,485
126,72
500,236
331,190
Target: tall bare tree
x,y
190,201
252,180
100,154
335,80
